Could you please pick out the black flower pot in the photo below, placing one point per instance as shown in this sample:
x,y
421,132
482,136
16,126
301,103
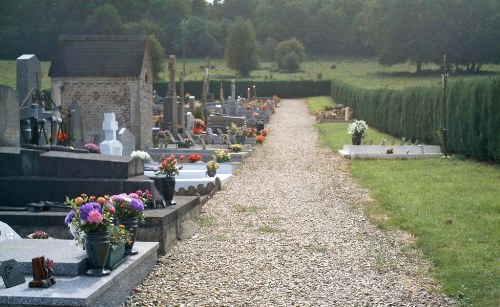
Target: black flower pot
x,y
97,249
211,172
166,187
356,139
132,226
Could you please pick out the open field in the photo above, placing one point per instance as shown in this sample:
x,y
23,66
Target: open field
x,y
366,73
450,205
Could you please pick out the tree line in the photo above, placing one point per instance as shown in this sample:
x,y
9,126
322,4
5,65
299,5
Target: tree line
x,y
395,31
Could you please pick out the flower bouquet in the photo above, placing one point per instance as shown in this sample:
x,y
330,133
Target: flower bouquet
x,y
193,158
94,217
198,126
90,214
212,167
221,156
38,235
165,185
168,166
92,148
358,130
128,206
236,147
144,156
260,139
129,212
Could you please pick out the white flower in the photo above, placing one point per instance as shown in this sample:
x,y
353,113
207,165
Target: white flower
x,y
142,155
359,127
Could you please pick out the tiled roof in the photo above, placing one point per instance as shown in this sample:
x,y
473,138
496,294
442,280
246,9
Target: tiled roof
x,y
99,56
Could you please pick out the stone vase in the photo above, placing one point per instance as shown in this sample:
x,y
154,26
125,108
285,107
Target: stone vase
x,y
211,172
166,187
97,248
131,224
356,139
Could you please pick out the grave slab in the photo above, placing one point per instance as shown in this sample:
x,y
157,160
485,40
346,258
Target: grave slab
x,y
112,290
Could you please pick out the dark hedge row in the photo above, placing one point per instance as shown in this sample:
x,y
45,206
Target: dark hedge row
x,y
283,89
472,114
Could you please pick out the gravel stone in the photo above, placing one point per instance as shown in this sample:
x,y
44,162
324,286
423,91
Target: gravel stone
x,y
286,231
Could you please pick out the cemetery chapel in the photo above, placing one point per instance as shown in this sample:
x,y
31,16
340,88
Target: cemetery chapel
x,y
105,74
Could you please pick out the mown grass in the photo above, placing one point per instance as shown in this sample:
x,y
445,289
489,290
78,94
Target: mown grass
x,y
450,205
365,73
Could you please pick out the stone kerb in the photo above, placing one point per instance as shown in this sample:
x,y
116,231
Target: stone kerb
x,y
380,151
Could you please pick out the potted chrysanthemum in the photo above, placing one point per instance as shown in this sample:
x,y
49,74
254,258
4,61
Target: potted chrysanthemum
x,y
93,217
358,130
129,212
165,178
212,167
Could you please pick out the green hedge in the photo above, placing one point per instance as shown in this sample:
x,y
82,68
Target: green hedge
x,y
472,114
283,89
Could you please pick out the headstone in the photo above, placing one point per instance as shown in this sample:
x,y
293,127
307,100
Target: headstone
x,y
233,90
75,122
128,141
9,118
192,102
11,273
29,73
347,111
7,233
170,102
110,146
231,108
221,99
189,121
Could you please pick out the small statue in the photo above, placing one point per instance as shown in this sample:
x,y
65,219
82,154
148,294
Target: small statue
x,y
43,271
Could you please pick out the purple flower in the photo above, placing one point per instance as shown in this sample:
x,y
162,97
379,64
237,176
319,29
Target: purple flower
x,y
136,204
69,217
86,209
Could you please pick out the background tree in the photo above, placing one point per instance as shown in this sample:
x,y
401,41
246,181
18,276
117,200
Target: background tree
x,y
289,54
241,47
157,56
400,30
199,41
104,20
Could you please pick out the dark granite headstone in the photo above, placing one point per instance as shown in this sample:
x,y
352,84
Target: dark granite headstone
x,y
9,117
11,273
76,123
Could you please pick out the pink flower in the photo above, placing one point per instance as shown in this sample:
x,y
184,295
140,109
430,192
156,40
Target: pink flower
x,y
94,217
133,195
139,192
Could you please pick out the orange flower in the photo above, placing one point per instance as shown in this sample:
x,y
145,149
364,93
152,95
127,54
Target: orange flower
x,y
78,201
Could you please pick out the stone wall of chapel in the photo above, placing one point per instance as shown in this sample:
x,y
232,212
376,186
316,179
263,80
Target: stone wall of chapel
x,y
96,96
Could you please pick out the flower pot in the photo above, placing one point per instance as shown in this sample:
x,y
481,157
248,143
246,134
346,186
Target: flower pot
x,y
115,256
97,249
211,172
356,139
132,226
166,187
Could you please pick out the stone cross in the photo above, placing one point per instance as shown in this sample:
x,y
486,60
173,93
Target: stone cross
x,y
110,146
181,116
222,97
169,121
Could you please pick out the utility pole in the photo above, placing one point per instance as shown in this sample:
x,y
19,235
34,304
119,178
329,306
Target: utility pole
x,y
444,79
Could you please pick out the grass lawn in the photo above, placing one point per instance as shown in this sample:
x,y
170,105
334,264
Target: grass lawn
x,y
365,73
451,206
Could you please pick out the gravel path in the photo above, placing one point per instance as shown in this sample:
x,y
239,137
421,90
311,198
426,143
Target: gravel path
x,y
285,231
